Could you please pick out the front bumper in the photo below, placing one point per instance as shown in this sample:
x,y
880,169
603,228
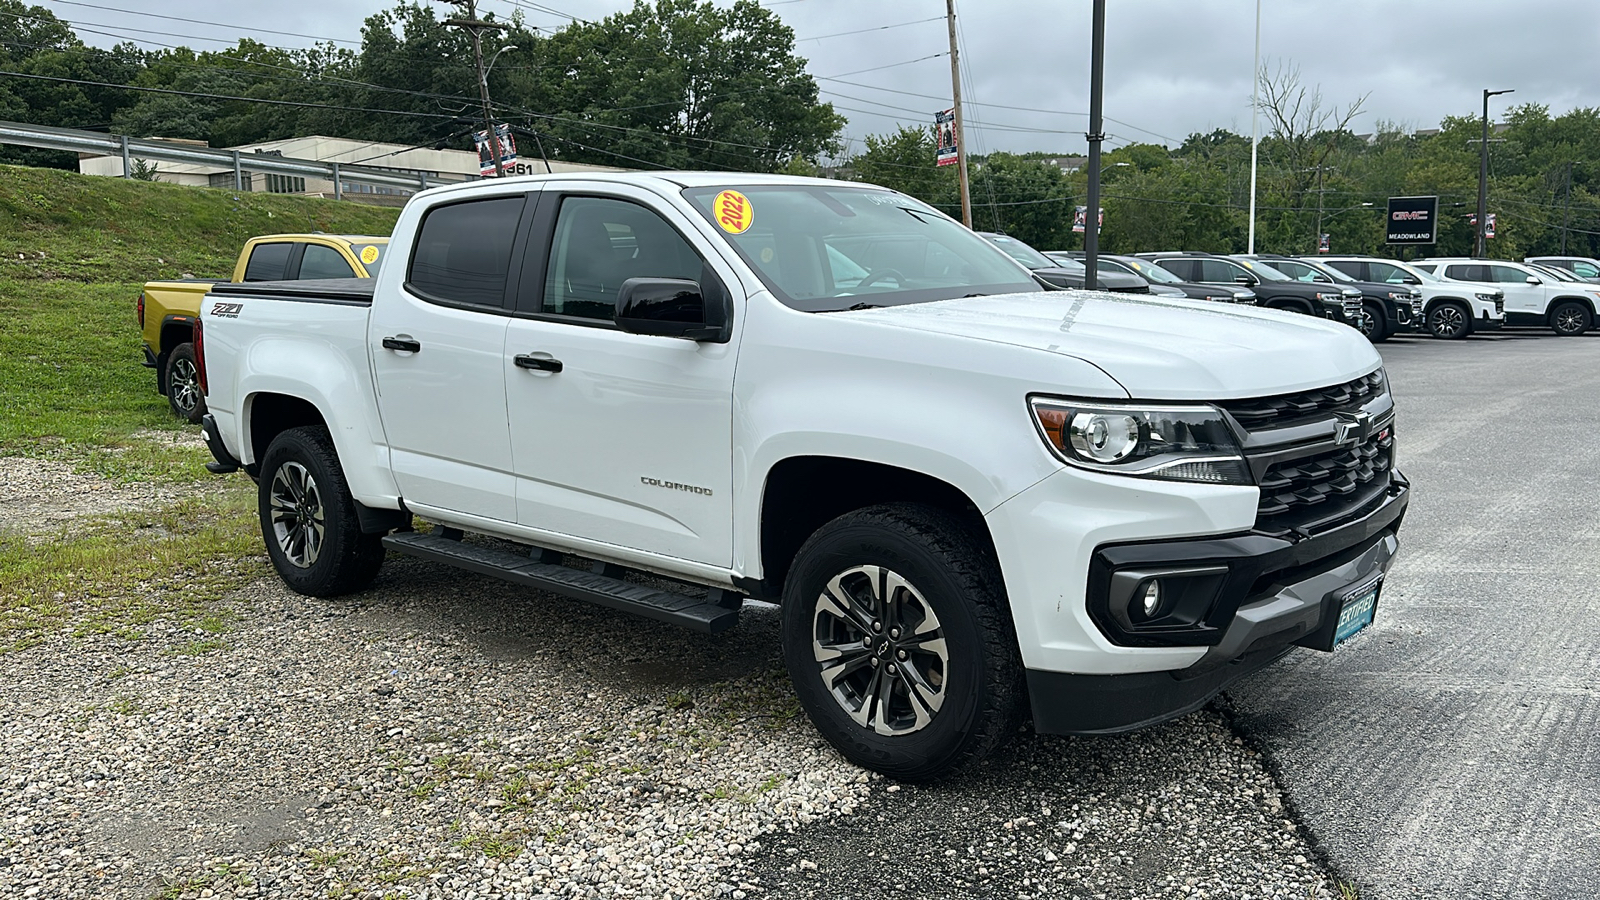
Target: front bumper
x,y
1486,322
1277,592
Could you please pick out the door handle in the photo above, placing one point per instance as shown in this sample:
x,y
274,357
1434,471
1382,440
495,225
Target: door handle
x,y
406,344
540,363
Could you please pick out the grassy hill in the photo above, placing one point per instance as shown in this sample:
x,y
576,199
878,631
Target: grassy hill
x,y
74,251
57,225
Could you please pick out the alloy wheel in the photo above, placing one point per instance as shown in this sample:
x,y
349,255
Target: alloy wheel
x,y
184,385
880,650
1447,321
298,518
1569,320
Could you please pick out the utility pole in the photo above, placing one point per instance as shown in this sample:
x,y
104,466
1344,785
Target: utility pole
x,y
961,138
1481,248
1091,216
1255,140
476,26
1566,217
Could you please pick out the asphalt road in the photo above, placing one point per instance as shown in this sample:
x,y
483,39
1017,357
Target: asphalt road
x,y
1454,750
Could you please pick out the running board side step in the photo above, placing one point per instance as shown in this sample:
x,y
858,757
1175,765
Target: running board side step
x,y
715,613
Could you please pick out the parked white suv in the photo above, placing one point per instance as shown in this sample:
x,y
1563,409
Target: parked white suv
x,y
1451,309
1585,267
975,500
1532,297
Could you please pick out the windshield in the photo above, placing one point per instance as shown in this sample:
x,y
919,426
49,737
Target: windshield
x,y
823,248
1266,272
1021,252
1150,271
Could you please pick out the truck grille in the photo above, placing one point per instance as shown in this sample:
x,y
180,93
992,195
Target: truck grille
x,y
1416,306
1314,491
1352,309
1271,412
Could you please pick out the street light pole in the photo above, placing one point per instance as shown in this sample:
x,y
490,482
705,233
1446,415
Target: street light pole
x,y
1096,135
476,27
1481,248
1255,140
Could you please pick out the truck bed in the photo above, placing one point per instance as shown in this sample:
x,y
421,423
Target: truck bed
x,y
323,290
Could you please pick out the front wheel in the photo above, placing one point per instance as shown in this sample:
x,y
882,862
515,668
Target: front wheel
x,y
899,640
308,517
1570,319
183,384
1374,324
1449,321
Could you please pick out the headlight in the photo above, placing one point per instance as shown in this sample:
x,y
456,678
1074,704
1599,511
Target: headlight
x,y
1487,298
1404,296
1173,443
1331,298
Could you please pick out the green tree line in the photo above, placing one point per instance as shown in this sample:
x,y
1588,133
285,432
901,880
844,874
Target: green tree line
x,y
689,84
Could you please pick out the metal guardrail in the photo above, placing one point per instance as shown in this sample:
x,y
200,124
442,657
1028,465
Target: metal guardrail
x,y
74,141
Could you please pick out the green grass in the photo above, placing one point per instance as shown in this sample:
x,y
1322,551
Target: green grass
x,y
74,252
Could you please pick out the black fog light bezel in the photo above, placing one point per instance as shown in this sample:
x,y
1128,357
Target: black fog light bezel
x,y
1187,596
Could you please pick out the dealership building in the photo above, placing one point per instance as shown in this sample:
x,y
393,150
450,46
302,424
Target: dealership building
x,y
428,165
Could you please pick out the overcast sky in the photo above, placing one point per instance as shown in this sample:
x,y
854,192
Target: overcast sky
x,y
1173,67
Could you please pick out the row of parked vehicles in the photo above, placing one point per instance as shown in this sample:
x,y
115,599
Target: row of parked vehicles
x,y
1446,297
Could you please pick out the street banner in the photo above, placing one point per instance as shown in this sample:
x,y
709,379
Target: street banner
x,y
508,150
1322,243
944,129
1080,219
1488,225
1413,220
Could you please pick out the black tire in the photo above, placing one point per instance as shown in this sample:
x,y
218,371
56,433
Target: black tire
x,y
1374,323
1449,321
300,478
1570,318
947,573
183,384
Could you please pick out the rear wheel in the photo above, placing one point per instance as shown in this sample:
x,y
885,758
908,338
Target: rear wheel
x,y
1449,321
183,384
1374,323
1570,318
308,517
899,640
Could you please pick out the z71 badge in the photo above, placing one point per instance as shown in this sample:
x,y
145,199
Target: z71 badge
x,y
226,310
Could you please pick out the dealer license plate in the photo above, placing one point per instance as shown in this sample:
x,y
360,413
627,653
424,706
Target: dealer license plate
x,y
1356,612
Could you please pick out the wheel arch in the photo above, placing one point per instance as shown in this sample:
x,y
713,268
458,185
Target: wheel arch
x,y
1587,302
803,493
1299,304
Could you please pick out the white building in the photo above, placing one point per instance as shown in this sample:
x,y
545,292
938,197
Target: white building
x,y
439,166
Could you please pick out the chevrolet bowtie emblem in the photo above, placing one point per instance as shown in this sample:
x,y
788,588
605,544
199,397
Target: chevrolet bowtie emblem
x,y
1352,428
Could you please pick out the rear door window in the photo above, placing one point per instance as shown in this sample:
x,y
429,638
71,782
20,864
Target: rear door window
x,y
1185,269
324,262
1584,270
1354,269
1464,272
463,252
268,262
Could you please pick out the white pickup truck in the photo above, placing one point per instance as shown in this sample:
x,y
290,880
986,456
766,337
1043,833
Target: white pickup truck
x,y
974,499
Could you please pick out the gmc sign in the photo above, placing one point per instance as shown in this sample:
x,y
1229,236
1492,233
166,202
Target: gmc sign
x,y
1413,220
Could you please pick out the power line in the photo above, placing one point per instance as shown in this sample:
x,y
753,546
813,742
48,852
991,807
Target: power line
x,y
821,37
904,63
134,12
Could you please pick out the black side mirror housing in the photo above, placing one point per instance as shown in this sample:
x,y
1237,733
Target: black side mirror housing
x,y
672,307
1242,278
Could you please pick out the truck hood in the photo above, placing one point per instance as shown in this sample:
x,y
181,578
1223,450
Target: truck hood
x,y
1156,348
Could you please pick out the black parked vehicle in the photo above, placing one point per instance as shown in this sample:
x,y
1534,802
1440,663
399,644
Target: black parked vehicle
x,y
1274,289
1160,278
1387,309
1063,273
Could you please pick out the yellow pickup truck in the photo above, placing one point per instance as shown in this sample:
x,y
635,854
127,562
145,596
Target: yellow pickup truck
x,y
167,309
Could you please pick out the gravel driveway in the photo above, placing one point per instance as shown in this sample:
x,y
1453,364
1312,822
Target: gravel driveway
x,y
446,735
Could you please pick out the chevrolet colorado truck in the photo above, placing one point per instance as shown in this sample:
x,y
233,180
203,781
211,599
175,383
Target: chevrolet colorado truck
x,y
975,501
167,309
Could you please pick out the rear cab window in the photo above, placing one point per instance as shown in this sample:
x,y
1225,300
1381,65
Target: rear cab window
x,y
268,261
462,255
320,261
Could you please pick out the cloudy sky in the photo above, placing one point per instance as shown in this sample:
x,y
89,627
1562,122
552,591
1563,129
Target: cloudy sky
x,y
1173,67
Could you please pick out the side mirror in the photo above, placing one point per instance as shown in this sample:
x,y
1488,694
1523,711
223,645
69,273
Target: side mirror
x,y
1410,279
1242,278
1533,280
670,307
